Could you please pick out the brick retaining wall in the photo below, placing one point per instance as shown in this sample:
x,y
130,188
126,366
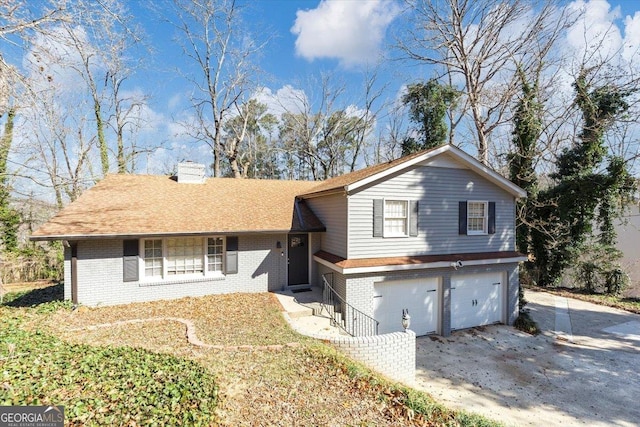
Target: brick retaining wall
x,y
393,355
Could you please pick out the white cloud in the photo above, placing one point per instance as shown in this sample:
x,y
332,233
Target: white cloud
x,y
175,101
287,98
596,30
631,37
350,31
52,62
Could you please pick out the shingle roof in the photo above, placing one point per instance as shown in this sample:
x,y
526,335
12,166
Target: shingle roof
x,y
353,177
130,205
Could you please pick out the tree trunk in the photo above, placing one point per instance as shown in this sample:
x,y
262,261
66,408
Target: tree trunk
x,y
5,146
102,143
122,161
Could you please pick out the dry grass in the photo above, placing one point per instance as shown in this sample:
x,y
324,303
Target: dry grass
x,y
289,386
234,319
309,384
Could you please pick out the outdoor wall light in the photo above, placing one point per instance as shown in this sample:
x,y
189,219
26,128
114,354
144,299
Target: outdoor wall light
x,y
406,319
278,244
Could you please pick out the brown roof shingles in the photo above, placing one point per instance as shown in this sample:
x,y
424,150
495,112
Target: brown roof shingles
x,y
342,181
129,205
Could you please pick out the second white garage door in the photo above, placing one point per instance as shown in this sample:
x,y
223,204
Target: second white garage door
x,y
476,299
420,296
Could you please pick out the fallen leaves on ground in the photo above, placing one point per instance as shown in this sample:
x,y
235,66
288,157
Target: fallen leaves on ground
x,y
257,386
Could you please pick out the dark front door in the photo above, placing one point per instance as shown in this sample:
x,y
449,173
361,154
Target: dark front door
x,y
298,253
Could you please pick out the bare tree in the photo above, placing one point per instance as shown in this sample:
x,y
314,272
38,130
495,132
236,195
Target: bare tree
x,y
17,17
213,37
56,147
245,141
325,138
99,47
480,45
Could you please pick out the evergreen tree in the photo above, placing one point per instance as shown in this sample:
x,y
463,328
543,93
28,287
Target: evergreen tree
x,y
428,104
9,217
526,132
581,194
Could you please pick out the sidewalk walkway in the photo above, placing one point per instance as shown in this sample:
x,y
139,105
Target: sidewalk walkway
x,y
298,309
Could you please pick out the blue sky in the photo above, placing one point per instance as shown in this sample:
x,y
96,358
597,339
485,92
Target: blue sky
x,y
343,37
307,37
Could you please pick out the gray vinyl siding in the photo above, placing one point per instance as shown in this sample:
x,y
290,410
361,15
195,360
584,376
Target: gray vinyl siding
x,y
438,191
332,211
261,268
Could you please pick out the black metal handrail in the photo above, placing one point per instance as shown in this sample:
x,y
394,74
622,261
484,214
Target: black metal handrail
x,y
356,323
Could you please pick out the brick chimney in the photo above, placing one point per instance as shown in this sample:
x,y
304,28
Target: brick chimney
x,y
190,173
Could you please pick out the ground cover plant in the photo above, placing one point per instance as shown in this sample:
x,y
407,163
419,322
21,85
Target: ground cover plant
x,y
101,385
255,378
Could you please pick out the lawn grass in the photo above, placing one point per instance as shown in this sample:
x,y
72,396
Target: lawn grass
x,y
95,373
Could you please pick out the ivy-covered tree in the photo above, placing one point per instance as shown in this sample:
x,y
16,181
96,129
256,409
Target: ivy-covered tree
x,y
588,188
526,132
428,104
9,217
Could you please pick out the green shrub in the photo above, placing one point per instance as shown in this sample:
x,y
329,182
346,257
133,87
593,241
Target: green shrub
x,y
525,323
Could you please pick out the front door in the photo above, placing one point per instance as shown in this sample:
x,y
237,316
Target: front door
x,y
298,259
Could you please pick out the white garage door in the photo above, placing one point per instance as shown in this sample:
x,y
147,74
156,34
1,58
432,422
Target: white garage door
x,y
420,296
476,299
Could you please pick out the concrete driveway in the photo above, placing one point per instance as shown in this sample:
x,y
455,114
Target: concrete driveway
x,y
584,369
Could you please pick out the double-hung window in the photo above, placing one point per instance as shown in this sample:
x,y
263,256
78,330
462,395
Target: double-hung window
x,y
396,218
153,258
215,251
477,215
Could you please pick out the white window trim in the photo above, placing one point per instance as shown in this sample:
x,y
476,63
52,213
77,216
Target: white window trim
x,y
165,277
206,257
485,220
407,223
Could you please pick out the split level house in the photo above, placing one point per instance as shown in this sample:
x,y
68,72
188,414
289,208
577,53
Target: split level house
x,y
432,233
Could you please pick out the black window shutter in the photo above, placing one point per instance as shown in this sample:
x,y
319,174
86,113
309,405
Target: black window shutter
x,y
413,225
462,217
232,243
378,219
491,224
130,264
231,264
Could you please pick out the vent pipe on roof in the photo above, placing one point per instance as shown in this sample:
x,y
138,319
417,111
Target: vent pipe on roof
x,y
190,173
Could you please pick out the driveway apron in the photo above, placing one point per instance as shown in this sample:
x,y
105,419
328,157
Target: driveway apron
x,y
583,369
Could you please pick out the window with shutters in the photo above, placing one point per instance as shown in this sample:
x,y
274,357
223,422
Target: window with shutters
x,y
477,215
153,258
396,218
215,252
175,257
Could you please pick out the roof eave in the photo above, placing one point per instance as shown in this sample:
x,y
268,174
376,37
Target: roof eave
x,y
336,190
72,237
472,163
